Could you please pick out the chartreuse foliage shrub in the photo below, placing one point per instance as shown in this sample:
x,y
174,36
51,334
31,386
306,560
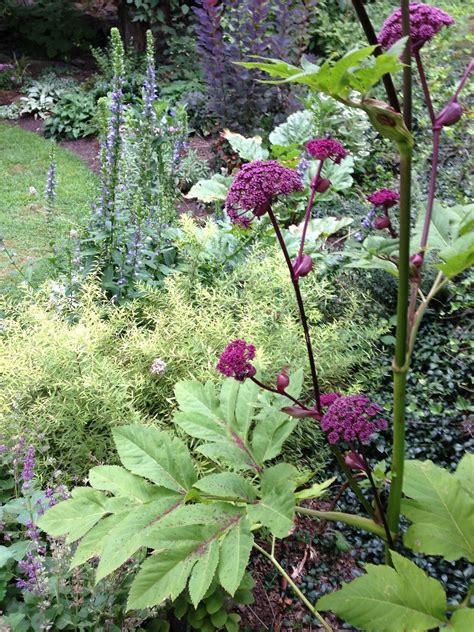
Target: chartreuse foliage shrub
x,y
76,377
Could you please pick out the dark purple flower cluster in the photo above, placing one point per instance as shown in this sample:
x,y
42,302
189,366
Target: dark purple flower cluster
x,y
235,360
352,417
326,149
384,197
327,399
425,22
33,568
255,187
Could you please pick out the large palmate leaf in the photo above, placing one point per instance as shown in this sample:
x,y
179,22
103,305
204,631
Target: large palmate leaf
x,y
441,510
451,236
399,599
247,148
242,427
155,455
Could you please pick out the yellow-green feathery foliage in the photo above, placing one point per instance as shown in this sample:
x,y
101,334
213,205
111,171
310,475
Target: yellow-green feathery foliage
x,y
72,381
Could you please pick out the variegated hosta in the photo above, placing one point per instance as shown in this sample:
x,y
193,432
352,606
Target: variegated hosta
x,y
194,527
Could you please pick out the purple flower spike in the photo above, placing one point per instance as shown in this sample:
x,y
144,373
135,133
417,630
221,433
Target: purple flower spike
x,y
256,186
384,197
352,417
425,22
326,148
235,360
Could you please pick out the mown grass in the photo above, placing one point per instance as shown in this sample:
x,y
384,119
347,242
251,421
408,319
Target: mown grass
x,y
24,161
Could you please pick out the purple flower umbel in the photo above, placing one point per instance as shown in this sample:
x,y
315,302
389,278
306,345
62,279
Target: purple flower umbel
x,y
425,22
352,417
384,197
326,149
255,187
235,360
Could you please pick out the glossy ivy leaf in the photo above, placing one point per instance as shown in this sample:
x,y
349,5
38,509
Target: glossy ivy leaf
x,y
296,130
155,455
235,553
247,148
210,189
276,508
441,511
390,599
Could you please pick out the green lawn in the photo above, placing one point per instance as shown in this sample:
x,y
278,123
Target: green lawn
x,y
24,161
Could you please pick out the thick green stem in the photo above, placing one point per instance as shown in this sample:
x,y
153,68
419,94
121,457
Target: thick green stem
x,y
358,522
301,596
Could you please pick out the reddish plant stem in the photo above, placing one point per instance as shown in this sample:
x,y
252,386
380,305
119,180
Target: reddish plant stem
x,y
463,81
270,389
314,183
299,300
424,85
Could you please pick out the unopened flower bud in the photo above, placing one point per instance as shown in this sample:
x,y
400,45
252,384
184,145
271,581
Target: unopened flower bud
x,y
355,461
282,381
303,268
449,115
417,260
381,222
323,185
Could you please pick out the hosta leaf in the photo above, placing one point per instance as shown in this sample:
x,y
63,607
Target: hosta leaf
x,y
441,511
235,553
210,190
119,481
91,544
399,599
203,573
297,129
247,148
129,534
74,517
154,454
227,484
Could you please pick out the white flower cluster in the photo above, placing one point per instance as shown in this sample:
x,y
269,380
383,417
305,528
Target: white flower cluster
x,y
158,367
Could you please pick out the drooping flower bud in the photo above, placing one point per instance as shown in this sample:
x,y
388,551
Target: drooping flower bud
x,y
417,260
449,115
282,381
323,185
355,461
303,268
381,222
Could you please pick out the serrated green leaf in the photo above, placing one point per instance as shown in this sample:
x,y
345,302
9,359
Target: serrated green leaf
x,y
130,534
399,599
276,509
74,517
465,473
200,414
297,129
461,620
121,482
154,454
203,573
316,490
235,553
228,398
15,551
247,148
211,189
245,408
227,484
441,511
91,544
228,454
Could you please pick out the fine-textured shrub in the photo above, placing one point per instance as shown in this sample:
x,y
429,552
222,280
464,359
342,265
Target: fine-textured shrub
x,y
73,379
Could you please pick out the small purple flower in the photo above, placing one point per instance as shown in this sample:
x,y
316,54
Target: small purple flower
x,y
327,399
425,22
352,417
255,187
384,197
28,468
235,360
326,149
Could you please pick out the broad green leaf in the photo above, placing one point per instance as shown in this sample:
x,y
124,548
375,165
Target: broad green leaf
x,y
228,398
318,231
119,481
339,174
245,408
441,511
203,573
465,473
316,490
91,544
229,454
227,484
297,129
247,148
199,412
399,599
210,190
16,551
127,536
235,553
154,454
74,517
276,508
461,620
